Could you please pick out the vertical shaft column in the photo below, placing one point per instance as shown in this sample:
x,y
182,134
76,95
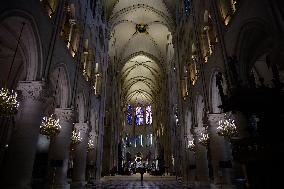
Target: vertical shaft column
x,y
80,157
18,165
59,150
220,152
202,170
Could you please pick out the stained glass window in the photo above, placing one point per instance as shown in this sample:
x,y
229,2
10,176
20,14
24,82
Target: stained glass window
x,y
148,115
139,115
187,7
129,114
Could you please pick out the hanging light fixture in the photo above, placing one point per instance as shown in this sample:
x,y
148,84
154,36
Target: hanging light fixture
x,y
8,102
227,127
191,145
204,140
8,98
75,139
50,126
90,145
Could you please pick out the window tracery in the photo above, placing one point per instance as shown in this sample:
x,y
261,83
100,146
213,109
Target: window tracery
x,y
139,115
149,118
187,7
129,114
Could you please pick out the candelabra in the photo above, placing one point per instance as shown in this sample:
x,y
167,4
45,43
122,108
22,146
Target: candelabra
x,y
90,145
50,126
191,145
204,140
8,102
227,127
75,139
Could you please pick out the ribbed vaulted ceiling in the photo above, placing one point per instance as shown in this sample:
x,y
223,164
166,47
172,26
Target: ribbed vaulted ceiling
x,y
140,54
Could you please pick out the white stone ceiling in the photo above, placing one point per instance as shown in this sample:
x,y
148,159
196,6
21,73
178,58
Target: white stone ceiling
x,y
112,5
140,80
140,56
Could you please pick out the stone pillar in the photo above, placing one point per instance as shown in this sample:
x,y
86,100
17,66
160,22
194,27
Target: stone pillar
x,y
91,157
80,157
18,165
99,156
191,164
202,170
59,150
191,167
241,123
220,151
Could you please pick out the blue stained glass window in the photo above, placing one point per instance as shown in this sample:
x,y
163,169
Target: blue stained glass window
x,y
149,118
139,115
187,7
129,114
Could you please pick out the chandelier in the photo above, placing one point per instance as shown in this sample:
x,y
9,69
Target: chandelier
x,y
8,102
227,127
75,138
191,145
204,140
50,126
90,145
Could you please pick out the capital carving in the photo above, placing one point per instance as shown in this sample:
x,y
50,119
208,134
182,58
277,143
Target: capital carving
x,y
215,118
33,90
64,114
93,135
82,127
199,130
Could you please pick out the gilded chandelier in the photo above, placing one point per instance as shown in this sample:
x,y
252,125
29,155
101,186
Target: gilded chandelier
x,y
50,126
227,127
8,102
90,145
75,138
191,145
204,140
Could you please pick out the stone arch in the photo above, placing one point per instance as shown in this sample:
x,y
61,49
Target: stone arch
x,y
28,61
150,56
61,85
254,39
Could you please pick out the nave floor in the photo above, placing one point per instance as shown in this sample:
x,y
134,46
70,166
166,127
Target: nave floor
x,y
134,182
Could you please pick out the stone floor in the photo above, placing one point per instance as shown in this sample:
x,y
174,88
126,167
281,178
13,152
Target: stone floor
x,y
134,181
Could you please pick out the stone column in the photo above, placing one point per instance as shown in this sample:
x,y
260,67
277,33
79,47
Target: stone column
x,y
220,151
18,165
91,157
191,167
241,123
99,155
59,150
80,157
202,170
191,163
